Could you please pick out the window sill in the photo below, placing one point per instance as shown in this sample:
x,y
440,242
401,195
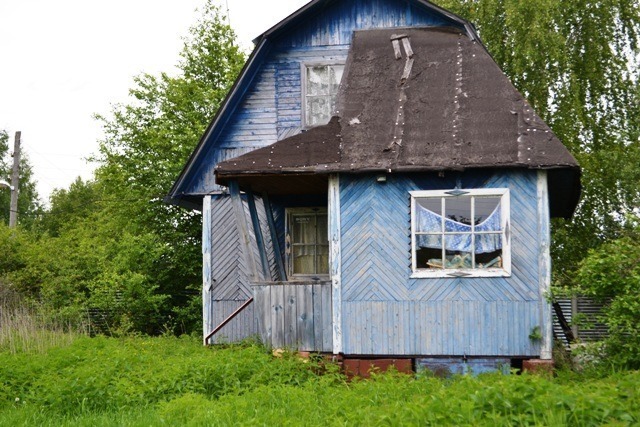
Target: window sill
x,y
461,273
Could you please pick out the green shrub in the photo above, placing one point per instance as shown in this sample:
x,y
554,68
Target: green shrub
x,y
611,274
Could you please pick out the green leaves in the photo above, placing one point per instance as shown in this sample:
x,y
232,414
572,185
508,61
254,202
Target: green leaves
x,y
611,274
577,64
29,206
111,245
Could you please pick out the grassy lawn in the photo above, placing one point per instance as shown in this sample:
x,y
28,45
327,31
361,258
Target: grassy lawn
x,y
175,381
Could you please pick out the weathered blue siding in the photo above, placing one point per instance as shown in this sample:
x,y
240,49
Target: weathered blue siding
x,y
270,109
387,312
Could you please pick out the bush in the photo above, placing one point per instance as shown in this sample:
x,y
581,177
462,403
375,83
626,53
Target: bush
x,y
611,274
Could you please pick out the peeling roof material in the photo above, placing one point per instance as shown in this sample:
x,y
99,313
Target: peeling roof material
x,y
418,99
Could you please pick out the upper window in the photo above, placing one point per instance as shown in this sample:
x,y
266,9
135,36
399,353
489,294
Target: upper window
x,y
307,241
320,93
460,233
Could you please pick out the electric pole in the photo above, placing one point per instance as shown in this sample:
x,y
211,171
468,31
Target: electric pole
x,y
15,182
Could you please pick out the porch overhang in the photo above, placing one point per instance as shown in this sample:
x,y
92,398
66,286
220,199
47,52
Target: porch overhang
x,y
289,184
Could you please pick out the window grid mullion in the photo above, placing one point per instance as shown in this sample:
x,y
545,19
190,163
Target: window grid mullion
x,y
442,229
473,234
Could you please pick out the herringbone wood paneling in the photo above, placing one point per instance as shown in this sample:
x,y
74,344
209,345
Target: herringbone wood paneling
x,y
387,312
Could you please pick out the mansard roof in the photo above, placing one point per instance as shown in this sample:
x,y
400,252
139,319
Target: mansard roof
x,y
417,100
179,193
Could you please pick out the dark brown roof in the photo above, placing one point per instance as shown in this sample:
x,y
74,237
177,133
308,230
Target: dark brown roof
x,y
456,110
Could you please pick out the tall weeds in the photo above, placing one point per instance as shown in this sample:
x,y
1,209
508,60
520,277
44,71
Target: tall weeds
x,y
29,328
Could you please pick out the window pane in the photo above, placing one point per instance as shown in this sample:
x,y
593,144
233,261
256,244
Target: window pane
x,y
318,110
318,80
304,259
308,251
322,232
428,214
489,259
304,229
456,243
487,214
458,261
322,259
335,76
430,257
458,209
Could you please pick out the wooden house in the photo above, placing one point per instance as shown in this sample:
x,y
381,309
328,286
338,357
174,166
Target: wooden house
x,y
374,186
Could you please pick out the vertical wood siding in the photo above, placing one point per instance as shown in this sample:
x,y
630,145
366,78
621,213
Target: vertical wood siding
x,y
387,312
294,316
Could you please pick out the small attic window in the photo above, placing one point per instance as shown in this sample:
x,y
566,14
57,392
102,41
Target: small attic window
x,y
460,233
320,90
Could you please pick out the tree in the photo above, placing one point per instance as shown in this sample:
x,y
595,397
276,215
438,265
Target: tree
x,y
111,246
68,206
611,275
147,143
28,203
577,64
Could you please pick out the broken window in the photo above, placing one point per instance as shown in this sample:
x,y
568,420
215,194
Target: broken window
x,y
320,93
460,233
307,241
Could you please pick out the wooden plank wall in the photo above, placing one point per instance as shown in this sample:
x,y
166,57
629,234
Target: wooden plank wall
x,y
271,106
295,316
229,284
387,312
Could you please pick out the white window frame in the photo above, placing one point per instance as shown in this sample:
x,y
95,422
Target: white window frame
x,y
289,213
505,225
303,72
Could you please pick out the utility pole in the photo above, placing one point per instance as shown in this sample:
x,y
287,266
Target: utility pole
x,y
15,182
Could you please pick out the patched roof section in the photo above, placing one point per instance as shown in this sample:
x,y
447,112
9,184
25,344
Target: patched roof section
x,y
313,151
416,99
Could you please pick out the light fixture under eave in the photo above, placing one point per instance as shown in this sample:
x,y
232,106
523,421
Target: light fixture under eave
x,y
381,178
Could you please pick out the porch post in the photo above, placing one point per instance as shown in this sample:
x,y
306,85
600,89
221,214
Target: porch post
x,y
544,266
207,317
335,260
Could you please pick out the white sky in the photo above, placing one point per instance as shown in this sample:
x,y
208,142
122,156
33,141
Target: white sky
x,y
63,61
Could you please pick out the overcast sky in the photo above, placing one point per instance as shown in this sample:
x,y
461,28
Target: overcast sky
x,y
63,61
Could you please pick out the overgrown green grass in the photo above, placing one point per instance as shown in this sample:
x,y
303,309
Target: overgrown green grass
x,y
31,329
175,381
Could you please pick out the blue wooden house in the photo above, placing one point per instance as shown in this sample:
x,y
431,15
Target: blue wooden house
x,y
374,186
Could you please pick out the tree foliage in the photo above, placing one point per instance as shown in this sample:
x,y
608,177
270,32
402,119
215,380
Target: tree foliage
x,y
146,145
611,274
577,64
111,245
28,203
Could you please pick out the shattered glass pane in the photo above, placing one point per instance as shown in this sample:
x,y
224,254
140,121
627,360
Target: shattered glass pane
x,y
318,111
323,82
318,80
336,77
